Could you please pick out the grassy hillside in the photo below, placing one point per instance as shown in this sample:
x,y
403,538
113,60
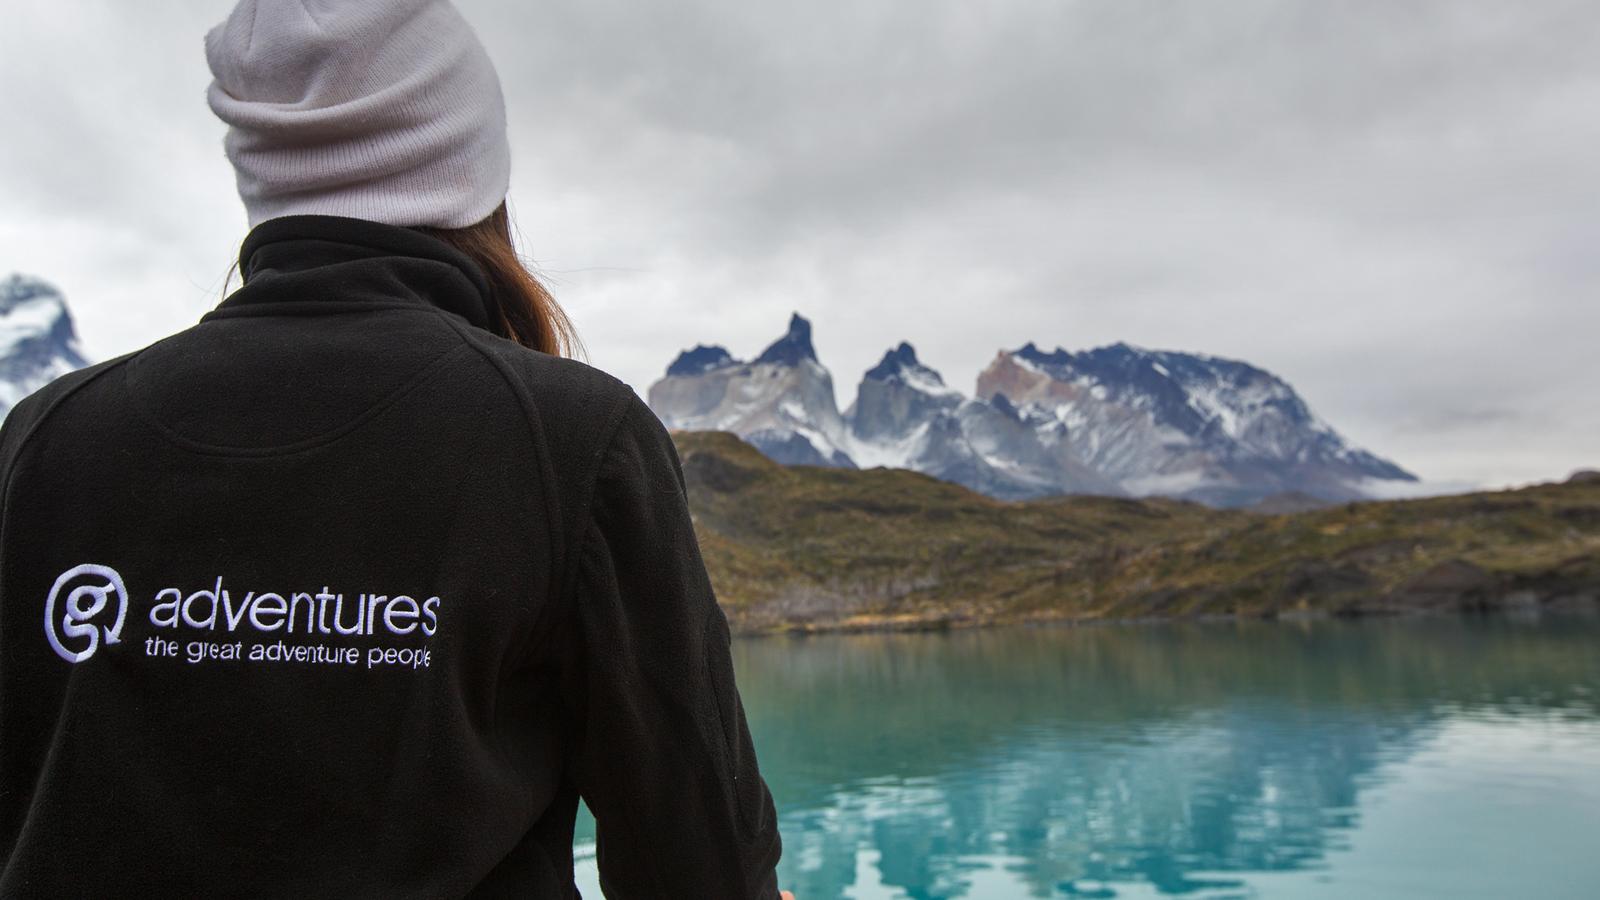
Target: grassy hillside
x,y
800,547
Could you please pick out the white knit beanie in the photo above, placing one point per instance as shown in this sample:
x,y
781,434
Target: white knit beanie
x,y
387,110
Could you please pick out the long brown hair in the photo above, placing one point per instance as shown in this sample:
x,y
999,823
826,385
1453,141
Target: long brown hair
x,y
524,310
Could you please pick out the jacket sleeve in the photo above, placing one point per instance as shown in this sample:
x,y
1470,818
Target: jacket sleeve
x,y
662,755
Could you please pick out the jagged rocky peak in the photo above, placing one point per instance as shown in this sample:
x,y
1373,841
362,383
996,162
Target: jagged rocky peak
x,y
905,416
793,347
894,362
17,288
34,307
38,342
1031,352
782,401
34,319
901,365
702,359
895,399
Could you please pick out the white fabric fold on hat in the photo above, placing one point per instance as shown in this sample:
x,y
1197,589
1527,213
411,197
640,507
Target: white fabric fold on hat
x,y
387,110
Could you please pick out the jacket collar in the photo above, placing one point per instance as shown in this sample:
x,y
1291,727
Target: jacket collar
x,y
310,263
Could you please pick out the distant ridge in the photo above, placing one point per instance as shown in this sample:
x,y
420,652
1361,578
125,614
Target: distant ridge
x,y
1115,420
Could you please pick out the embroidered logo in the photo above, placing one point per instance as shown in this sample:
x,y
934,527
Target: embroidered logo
x,y
88,605
90,589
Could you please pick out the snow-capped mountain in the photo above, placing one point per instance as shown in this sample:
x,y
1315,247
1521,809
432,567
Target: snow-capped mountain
x,y
898,396
1182,424
781,401
37,340
905,416
1115,420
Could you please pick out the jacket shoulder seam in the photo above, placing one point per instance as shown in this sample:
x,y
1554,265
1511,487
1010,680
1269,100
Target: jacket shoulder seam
x,y
604,447
315,442
571,542
32,427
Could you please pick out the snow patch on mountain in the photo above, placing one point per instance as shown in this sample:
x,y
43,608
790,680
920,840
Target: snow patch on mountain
x,y
38,342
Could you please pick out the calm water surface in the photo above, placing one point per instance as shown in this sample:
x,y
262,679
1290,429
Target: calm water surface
x,y
1453,758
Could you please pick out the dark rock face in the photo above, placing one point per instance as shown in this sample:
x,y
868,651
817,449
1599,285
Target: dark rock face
x,y
794,346
895,362
1585,476
702,359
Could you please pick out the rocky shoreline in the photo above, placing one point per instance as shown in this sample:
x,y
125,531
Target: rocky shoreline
x,y
1516,605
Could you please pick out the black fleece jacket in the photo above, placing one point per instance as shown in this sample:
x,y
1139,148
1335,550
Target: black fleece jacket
x,y
338,594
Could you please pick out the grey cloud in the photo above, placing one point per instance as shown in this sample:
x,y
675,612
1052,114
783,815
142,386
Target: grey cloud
x,y
1388,203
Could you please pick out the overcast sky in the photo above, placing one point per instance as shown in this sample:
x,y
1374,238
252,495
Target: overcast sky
x,y
1393,205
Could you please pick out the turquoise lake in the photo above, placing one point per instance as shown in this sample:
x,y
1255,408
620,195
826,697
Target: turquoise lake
x,y
1396,758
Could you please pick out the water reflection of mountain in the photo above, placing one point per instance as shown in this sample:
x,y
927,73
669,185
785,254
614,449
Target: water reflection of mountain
x,y
1164,754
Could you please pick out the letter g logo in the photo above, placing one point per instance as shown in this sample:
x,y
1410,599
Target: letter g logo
x,y
97,587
